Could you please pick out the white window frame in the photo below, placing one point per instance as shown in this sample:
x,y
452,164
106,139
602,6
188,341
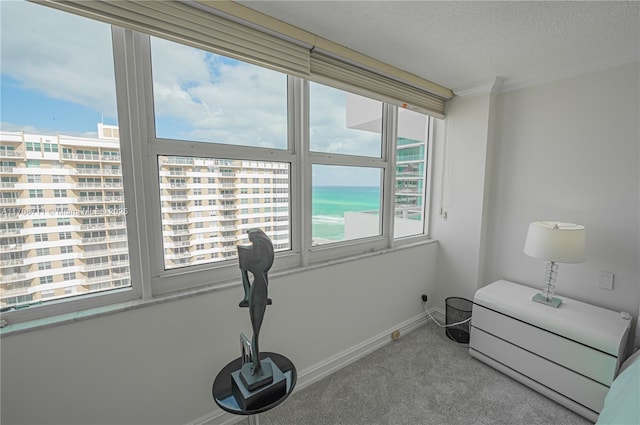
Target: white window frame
x,y
61,308
140,149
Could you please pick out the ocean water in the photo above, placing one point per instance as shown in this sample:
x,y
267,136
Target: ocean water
x,y
329,203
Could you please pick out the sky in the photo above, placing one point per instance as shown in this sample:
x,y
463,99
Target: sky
x,y
55,81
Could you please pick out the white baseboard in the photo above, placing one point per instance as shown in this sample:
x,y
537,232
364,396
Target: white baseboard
x,y
326,367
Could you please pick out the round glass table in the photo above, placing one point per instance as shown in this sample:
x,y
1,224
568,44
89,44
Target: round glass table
x,y
223,394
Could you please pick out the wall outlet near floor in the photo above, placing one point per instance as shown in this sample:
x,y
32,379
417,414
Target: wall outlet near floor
x,y
606,280
395,334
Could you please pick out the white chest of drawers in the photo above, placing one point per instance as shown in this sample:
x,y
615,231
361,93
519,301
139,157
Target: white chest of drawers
x,y
570,354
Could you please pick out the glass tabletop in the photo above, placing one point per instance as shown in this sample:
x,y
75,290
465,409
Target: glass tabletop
x,y
222,386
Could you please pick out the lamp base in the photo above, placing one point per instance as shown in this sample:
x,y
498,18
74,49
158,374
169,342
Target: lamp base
x,y
551,302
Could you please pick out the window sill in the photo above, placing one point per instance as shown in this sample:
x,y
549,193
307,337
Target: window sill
x,y
62,319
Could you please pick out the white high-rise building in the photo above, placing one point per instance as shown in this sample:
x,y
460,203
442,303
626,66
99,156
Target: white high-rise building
x,y
63,216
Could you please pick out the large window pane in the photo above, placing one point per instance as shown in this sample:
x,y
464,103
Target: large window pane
x,y
206,97
208,204
346,203
344,123
411,167
62,214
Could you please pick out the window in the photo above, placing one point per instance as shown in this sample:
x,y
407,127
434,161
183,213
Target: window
x,y
345,212
411,173
225,174
50,147
32,147
344,123
232,145
250,101
41,237
80,80
46,265
45,279
346,199
41,252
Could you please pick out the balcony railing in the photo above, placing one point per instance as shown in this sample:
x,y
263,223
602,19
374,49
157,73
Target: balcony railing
x,y
94,240
89,185
117,238
114,199
179,244
90,199
110,251
95,266
11,247
176,160
12,262
13,277
110,158
81,156
16,292
90,226
98,279
10,154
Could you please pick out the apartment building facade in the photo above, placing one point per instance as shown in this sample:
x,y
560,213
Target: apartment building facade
x,y
63,215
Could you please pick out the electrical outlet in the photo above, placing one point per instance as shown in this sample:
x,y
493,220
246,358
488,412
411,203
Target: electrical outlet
x,y
395,334
424,298
606,280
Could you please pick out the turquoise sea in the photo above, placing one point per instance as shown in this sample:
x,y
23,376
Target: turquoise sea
x,y
329,203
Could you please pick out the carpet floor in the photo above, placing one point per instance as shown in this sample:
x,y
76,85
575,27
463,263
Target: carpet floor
x,y
421,378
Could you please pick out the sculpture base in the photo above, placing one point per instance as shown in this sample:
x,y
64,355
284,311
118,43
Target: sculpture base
x,y
253,382
264,394
551,302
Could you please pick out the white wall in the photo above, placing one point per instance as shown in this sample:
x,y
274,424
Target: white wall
x,y
461,146
569,151
156,365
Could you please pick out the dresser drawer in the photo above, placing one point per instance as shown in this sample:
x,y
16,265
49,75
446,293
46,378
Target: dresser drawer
x,y
577,388
570,354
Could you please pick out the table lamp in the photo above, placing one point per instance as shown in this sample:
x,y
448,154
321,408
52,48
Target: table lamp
x,y
555,242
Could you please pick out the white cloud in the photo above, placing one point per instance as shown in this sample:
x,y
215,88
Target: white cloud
x,y
222,100
328,125
61,55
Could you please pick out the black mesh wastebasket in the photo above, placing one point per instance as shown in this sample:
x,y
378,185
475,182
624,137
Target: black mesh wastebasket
x,y
458,310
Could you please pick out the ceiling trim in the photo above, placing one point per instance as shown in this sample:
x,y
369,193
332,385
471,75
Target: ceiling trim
x,y
512,84
492,85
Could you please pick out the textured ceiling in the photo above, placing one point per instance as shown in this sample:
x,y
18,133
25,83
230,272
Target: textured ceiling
x,y
463,44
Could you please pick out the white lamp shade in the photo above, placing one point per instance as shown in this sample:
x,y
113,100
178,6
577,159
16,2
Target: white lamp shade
x,y
556,241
